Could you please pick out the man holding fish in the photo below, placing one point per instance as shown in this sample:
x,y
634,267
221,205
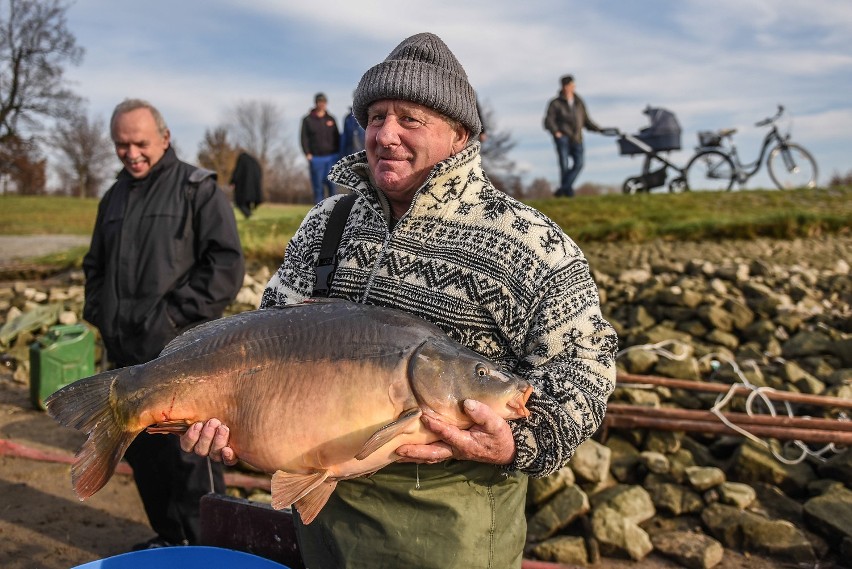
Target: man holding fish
x,y
431,236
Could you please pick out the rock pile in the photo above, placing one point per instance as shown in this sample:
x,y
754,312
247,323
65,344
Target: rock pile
x,y
688,495
725,317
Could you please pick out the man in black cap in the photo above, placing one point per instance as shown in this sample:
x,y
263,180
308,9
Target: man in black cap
x,y
565,119
320,143
429,234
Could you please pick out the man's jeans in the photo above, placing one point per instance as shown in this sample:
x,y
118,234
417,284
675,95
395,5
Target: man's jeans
x,y
570,163
320,167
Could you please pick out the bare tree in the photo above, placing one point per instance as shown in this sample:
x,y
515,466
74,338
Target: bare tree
x,y
217,153
495,154
258,128
85,153
35,45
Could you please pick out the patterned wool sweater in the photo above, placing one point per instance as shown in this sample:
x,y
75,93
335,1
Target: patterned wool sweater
x,y
496,275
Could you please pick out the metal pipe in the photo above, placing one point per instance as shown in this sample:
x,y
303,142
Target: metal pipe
x,y
736,418
692,385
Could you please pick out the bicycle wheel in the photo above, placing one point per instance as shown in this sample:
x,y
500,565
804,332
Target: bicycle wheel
x,y
709,170
791,166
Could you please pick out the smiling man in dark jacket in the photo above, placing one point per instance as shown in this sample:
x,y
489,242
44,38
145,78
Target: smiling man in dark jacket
x,y
165,256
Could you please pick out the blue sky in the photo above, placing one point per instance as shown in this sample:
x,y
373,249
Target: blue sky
x,y
726,63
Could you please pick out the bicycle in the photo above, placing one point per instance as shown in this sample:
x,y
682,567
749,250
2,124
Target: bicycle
x,y
716,166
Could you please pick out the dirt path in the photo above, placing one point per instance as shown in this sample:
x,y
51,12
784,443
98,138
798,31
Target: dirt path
x,y
19,247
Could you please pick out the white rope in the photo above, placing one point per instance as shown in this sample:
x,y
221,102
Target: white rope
x,y
716,360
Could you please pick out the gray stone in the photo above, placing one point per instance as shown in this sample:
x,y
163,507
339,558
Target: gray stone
x,y
807,343
638,361
792,373
736,494
680,460
777,538
722,338
838,467
753,464
774,504
654,461
591,461
623,460
565,549
561,510
830,514
680,369
630,501
674,498
724,523
840,377
689,549
540,490
741,315
677,296
842,348
716,317
635,276
618,536
663,442
704,477
762,299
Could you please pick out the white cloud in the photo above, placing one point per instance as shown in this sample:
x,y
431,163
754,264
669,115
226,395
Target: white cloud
x,y
725,63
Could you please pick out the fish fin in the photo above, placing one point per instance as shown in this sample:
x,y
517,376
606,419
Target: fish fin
x,y
85,405
311,503
178,427
388,432
287,487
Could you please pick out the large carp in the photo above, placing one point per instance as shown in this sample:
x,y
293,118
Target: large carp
x,y
314,393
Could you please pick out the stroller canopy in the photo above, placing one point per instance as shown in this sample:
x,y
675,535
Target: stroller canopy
x,y
662,134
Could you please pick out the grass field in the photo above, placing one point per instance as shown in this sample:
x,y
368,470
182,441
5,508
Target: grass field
x,y
635,218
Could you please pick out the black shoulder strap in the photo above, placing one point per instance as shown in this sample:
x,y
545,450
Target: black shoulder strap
x,y
327,260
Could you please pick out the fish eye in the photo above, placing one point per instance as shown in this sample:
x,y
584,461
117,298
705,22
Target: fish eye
x,y
481,370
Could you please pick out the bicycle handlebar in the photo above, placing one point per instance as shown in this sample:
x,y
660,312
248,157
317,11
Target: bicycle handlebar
x,y
770,120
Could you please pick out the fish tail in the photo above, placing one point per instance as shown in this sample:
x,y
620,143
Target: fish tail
x,y
85,405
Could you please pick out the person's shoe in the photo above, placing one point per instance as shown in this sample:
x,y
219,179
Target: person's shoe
x,y
153,543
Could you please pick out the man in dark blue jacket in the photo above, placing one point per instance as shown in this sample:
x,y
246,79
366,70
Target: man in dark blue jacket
x,y
165,256
320,139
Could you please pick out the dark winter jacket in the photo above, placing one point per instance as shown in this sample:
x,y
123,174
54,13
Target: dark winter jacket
x,y
247,179
320,136
567,119
165,255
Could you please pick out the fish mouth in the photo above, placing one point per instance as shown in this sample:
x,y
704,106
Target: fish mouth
x,y
519,402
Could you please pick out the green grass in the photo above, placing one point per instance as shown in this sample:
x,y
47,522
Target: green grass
x,y
635,218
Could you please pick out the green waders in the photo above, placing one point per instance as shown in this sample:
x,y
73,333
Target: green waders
x,y
464,515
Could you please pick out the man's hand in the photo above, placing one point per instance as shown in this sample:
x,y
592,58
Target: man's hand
x,y
488,440
209,439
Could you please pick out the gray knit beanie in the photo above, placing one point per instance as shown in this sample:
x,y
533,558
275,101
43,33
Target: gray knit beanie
x,y
421,69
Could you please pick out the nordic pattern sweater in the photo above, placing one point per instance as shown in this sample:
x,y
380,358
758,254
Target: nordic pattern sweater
x,y
496,275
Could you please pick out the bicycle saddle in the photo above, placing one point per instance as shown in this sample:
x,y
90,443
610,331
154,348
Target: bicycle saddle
x,y
727,132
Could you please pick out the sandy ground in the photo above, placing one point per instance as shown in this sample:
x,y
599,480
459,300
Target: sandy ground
x,y
44,526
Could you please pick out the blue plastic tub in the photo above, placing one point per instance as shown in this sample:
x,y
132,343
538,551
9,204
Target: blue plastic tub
x,y
189,557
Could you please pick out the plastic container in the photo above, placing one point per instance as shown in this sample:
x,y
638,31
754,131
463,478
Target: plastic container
x,y
187,557
62,356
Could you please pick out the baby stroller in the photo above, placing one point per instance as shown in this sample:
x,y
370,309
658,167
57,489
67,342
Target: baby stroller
x,y
662,135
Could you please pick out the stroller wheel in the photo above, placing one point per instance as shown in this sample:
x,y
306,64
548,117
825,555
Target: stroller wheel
x,y
678,185
633,185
